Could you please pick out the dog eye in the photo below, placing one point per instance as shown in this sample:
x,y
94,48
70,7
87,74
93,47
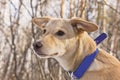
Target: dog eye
x,y
60,33
44,31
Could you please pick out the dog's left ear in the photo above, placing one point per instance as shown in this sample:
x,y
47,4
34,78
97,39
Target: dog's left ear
x,y
82,24
40,21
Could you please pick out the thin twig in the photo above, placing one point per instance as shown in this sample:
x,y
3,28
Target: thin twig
x,y
105,3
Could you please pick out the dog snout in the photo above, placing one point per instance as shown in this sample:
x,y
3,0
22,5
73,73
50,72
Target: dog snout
x,y
37,45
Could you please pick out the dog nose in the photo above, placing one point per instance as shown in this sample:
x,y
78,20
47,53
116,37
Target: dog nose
x,y
37,45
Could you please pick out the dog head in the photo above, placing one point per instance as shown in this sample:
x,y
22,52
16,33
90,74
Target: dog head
x,y
59,35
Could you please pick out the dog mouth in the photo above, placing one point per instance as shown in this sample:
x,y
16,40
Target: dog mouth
x,y
45,55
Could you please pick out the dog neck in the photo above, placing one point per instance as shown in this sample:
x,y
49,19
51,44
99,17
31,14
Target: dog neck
x,y
84,46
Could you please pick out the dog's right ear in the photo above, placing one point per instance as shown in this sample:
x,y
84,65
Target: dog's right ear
x,y
40,21
84,25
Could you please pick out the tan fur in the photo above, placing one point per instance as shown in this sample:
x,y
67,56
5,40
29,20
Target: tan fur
x,y
69,50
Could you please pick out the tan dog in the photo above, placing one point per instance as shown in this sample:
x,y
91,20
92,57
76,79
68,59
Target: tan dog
x,y
68,42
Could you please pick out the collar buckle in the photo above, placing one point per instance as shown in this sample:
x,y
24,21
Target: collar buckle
x,y
73,77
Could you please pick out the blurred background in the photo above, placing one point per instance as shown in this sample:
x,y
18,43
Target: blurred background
x,y
17,34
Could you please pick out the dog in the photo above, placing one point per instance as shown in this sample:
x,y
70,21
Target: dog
x,y
68,41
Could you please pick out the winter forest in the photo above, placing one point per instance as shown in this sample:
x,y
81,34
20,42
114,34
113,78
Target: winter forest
x,y
17,34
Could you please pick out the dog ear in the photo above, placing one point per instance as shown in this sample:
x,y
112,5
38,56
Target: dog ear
x,y
40,21
84,25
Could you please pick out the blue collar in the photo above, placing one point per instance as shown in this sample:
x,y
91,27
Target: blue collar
x,y
82,68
